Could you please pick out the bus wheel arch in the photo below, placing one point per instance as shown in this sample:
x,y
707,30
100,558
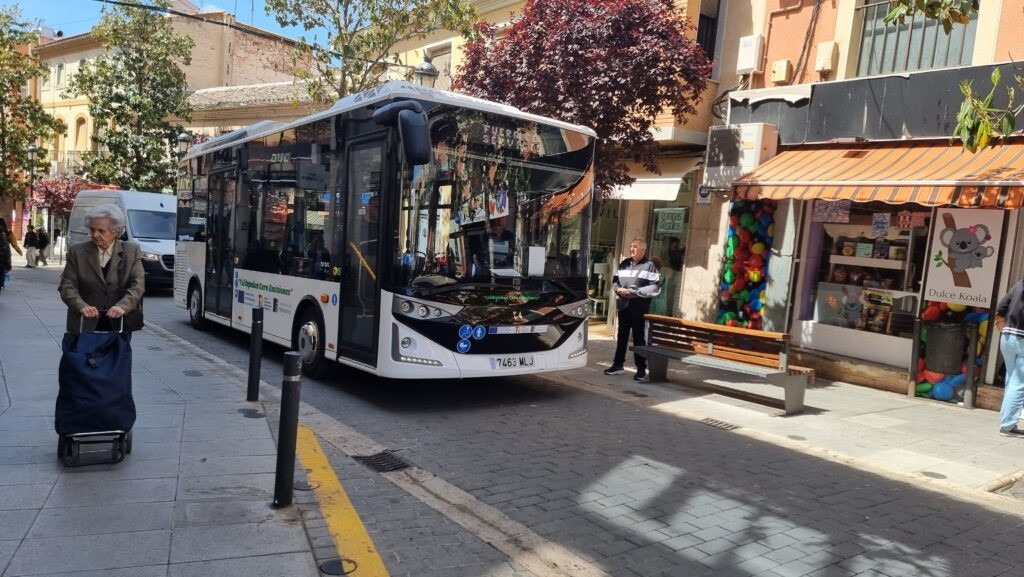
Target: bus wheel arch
x,y
309,339
194,301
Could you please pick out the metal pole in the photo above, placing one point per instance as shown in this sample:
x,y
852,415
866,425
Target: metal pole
x,y
915,354
972,355
255,355
287,432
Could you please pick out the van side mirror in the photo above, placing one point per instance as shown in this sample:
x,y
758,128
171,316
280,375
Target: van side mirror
x,y
412,128
124,235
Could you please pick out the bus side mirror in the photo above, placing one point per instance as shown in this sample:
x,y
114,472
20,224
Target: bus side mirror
x,y
412,128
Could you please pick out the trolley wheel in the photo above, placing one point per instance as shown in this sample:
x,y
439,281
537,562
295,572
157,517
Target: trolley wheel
x,y
195,307
62,445
308,340
128,443
72,452
117,452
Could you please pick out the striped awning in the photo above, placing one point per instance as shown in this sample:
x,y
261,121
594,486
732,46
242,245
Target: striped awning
x,y
929,173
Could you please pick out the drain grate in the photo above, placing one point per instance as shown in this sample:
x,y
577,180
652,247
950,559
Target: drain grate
x,y
636,394
719,424
383,462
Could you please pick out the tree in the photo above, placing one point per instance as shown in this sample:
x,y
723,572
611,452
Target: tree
x,y
361,36
57,193
133,87
23,121
613,65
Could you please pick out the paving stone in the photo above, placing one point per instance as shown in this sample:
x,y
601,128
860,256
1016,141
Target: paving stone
x,y
227,541
90,553
114,518
292,565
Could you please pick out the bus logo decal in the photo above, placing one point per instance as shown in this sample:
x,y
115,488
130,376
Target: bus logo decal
x,y
463,346
465,331
479,332
334,299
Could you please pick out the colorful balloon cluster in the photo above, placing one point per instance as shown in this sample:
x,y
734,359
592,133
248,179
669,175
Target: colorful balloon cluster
x,y
949,387
744,275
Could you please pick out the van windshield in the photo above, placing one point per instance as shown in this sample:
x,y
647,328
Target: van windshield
x,y
151,224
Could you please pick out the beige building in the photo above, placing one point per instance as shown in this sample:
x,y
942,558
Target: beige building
x,y
227,54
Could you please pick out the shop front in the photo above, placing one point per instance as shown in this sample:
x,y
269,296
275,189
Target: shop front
x,y
902,250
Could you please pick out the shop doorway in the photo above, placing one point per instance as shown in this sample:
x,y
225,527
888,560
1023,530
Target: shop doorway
x,y
669,228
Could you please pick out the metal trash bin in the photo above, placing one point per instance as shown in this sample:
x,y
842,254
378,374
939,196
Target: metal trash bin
x,y
945,347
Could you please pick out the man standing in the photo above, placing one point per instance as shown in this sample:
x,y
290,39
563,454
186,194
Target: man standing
x,y
31,247
43,244
1010,324
635,283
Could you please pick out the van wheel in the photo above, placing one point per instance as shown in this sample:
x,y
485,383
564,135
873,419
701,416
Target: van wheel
x,y
308,341
195,307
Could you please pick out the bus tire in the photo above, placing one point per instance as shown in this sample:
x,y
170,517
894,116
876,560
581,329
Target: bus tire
x,y
308,341
195,306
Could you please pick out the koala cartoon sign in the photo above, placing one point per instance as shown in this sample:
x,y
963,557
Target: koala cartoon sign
x,y
962,265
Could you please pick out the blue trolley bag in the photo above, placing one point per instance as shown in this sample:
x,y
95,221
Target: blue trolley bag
x,y
95,378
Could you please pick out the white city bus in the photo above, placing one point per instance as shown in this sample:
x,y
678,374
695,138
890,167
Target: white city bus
x,y
409,232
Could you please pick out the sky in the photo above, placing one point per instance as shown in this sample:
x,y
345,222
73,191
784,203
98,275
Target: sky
x,y
78,16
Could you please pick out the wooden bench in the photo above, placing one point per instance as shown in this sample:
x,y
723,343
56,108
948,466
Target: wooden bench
x,y
734,349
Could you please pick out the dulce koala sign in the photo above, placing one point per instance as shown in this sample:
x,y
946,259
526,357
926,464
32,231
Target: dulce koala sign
x,y
965,248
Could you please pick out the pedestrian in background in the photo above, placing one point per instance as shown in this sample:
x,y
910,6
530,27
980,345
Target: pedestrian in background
x,y
43,245
7,242
635,283
104,273
1010,324
31,250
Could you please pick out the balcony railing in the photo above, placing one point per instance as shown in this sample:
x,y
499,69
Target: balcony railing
x,y
67,161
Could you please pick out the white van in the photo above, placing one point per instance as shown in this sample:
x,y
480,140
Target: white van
x,y
150,223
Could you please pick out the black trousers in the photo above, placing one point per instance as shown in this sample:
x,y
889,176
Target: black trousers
x,y
631,319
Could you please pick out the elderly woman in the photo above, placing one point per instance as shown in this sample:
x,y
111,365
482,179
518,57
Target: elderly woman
x,y
104,274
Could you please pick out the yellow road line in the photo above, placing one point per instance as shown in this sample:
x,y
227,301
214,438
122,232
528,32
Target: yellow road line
x,y
350,537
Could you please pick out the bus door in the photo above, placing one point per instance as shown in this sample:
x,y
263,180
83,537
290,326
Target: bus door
x,y
219,243
360,271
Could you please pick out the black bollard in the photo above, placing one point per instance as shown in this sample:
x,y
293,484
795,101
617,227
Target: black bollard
x,y
287,433
255,355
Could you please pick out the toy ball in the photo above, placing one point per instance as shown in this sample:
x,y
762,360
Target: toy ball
x,y
933,312
754,275
920,365
983,328
746,220
957,307
757,248
933,376
924,387
724,286
921,377
756,304
732,242
729,277
771,229
957,380
943,307
942,391
744,235
729,315
730,323
734,221
755,261
729,251
766,218
740,284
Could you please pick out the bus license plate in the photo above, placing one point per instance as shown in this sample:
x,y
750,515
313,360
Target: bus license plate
x,y
512,362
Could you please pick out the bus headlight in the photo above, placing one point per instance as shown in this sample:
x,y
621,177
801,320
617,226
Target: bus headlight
x,y
434,311
423,311
150,256
580,309
406,342
406,307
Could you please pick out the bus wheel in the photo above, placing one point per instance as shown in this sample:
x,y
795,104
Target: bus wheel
x,y
195,307
309,343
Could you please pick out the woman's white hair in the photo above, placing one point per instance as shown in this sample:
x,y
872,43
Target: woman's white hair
x,y
111,212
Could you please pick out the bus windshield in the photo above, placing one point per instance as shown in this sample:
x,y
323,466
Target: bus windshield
x,y
505,203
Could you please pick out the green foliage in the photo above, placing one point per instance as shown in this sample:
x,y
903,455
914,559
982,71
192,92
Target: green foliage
x,y
133,88
979,123
948,12
362,35
22,120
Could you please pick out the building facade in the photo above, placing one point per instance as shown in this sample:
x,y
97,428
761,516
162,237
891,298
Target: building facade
x,y
886,245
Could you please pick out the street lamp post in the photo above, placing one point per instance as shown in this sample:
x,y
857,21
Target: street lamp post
x,y
184,140
426,72
31,182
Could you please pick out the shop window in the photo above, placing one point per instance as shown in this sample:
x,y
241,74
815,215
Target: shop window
x,y
670,221
865,264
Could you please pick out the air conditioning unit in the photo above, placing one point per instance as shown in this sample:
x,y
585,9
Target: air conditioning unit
x,y
735,150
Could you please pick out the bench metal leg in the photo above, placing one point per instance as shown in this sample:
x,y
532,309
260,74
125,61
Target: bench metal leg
x,y
657,368
794,387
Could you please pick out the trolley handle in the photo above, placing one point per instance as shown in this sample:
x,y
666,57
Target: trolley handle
x,y
103,313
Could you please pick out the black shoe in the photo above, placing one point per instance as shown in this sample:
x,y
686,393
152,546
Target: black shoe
x,y
641,375
1014,432
614,370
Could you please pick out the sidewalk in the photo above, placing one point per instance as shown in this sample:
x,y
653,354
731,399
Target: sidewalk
x,y
193,498
928,441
